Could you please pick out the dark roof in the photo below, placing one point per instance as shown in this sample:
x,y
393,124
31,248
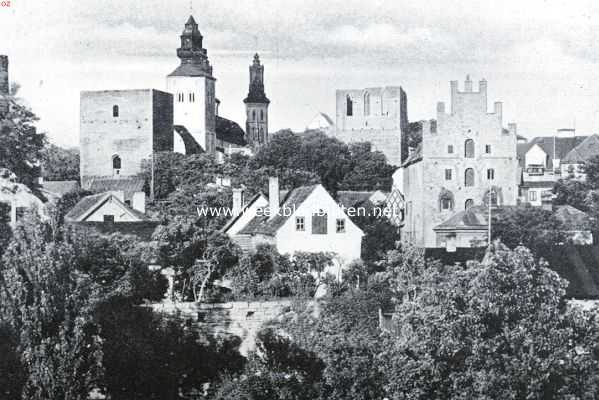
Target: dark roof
x,y
245,207
129,185
90,203
191,146
266,226
350,198
414,157
229,132
192,69
59,188
572,218
586,150
475,218
563,145
538,184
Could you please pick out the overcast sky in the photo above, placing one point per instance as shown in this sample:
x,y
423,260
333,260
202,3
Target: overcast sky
x,y
541,58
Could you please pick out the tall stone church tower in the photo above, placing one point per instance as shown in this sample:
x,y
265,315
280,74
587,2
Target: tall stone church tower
x,y
193,89
256,106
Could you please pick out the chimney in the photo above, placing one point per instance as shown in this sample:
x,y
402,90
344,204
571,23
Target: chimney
x,y
273,196
138,202
482,86
237,201
468,84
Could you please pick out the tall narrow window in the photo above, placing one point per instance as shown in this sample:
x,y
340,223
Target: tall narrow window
x,y
490,174
253,115
115,111
340,225
349,106
469,204
366,103
469,148
116,162
261,115
450,149
192,97
488,149
469,177
448,174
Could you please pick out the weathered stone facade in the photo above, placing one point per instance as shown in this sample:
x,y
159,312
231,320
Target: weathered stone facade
x,y
121,128
467,154
375,115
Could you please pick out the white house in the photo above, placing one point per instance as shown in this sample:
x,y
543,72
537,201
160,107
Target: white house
x,y
304,219
105,207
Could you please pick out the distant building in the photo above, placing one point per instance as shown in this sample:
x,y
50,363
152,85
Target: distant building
x,y
131,190
321,122
572,165
55,190
119,129
540,160
18,197
193,89
307,219
256,106
105,207
466,160
375,115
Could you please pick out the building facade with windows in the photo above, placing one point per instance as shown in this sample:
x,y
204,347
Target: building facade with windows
x,y
305,219
119,129
464,161
376,115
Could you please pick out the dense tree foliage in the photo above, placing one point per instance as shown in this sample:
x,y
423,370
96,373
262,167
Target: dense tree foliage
x,y
60,164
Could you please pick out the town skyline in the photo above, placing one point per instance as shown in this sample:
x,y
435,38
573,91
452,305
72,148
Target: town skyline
x,y
538,58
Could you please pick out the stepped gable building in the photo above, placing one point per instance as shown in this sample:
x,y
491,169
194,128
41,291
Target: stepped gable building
x,y
193,89
463,162
376,115
121,129
256,106
4,85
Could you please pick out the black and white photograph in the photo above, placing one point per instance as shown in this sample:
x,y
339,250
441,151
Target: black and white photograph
x,y
299,200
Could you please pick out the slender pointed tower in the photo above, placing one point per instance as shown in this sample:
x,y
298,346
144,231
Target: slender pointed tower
x,y
193,88
256,106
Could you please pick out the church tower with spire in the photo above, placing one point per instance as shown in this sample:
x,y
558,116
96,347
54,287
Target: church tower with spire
x,y
256,106
193,89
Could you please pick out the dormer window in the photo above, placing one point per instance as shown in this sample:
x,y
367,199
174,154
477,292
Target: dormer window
x,y
115,111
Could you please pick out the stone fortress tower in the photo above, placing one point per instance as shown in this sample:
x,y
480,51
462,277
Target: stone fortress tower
x,y
193,89
463,161
4,85
256,106
376,115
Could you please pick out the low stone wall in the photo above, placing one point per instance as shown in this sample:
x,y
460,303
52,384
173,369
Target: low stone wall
x,y
241,318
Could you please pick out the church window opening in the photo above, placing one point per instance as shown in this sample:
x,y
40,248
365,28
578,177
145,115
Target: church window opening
x,y
115,111
116,163
469,177
469,204
253,115
448,174
490,174
366,103
469,148
192,97
349,106
446,200
261,115
488,149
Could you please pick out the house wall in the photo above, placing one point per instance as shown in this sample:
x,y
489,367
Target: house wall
x,y
346,245
198,116
384,126
468,119
144,125
111,207
535,156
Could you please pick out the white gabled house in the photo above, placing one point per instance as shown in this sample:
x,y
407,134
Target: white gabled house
x,y
105,207
306,219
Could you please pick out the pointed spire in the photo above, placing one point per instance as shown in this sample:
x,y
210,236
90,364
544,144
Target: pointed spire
x,y
256,59
191,21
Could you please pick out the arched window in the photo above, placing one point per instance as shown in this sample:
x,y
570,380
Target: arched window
x,y
349,106
469,203
116,162
469,148
261,115
115,111
469,177
366,103
445,200
253,115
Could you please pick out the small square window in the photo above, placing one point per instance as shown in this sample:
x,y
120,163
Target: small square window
x,y
450,149
341,225
532,196
448,174
488,149
108,218
300,224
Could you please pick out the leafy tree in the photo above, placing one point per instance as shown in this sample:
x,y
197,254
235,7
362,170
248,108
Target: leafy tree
x,y
591,171
49,303
22,146
60,164
380,236
496,329
572,192
369,169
